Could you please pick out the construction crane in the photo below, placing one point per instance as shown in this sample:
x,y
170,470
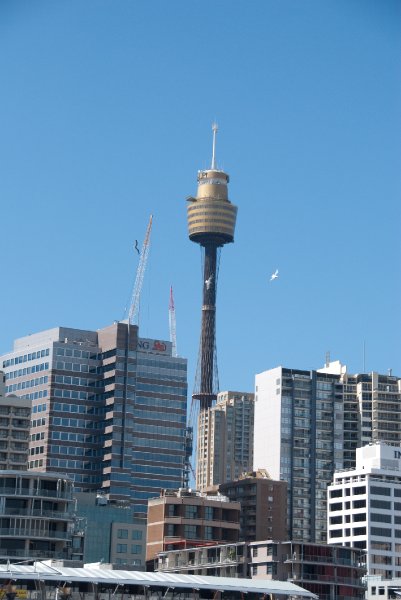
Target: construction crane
x,y
133,312
172,323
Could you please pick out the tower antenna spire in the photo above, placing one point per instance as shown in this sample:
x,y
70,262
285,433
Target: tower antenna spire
x,y
214,129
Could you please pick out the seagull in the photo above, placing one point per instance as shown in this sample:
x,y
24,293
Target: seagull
x,y
274,275
136,246
208,282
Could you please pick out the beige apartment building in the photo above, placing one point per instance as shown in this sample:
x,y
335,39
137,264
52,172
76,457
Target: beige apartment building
x,y
225,440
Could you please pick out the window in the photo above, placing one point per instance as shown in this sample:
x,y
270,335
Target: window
x,y
122,534
380,491
386,504
191,511
380,517
380,531
359,517
121,548
359,531
336,533
209,513
190,531
137,534
136,549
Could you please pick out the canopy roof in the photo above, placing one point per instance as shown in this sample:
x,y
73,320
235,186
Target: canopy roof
x,y
45,571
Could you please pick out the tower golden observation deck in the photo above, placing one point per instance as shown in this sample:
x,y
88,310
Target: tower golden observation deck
x,y
211,216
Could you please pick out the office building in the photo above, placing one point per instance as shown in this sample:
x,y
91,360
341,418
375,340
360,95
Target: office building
x,y
263,506
109,408
15,418
364,508
308,424
225,440
186,518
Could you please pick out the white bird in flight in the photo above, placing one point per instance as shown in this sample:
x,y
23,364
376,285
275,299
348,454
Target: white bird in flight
x,y
208,282
274,275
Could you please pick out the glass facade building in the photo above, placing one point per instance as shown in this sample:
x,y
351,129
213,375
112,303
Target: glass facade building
x,y
108,408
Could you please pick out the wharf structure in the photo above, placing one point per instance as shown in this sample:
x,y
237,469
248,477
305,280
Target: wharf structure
x,y
211,224
51,581
314,421
108,409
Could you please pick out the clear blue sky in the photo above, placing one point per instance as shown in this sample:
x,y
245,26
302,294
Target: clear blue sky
x,y
105,117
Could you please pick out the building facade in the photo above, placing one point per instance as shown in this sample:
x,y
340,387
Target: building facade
x,y
187,519
225,440
330,572
364,508
108,408
263,506
218,560
37,517
112,533
308,424
15,420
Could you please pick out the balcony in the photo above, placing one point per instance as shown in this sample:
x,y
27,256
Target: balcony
x,y
7,553
25,492
26,512
17,532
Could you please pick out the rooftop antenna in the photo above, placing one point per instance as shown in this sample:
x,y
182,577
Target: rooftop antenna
x,y
364,357
328,358
214,129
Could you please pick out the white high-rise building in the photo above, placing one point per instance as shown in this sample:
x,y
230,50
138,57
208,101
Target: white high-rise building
x,y
308,424
364,508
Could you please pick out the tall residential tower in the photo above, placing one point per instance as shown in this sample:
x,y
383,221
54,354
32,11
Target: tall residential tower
x,y
309,424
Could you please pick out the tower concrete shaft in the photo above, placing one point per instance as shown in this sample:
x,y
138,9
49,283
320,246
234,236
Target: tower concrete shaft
x,y
211,224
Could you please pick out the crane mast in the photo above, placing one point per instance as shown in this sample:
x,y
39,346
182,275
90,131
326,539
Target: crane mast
x,y
172,323
133,313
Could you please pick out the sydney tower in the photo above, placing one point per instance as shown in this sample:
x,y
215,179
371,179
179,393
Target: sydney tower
x,y
211,224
